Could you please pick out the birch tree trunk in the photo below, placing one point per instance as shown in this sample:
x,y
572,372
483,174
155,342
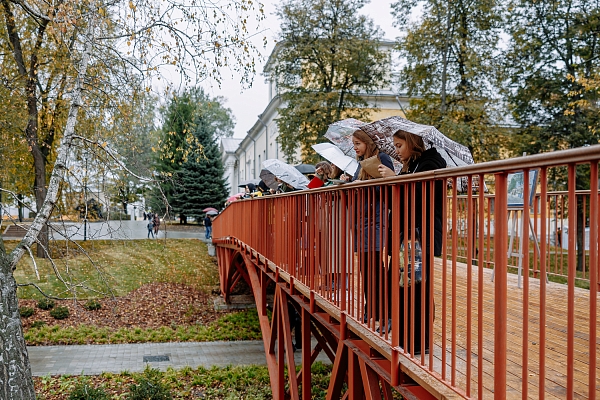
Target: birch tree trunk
x,y
16,382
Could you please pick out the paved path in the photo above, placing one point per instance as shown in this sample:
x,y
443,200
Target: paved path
x,y
120,230
95,359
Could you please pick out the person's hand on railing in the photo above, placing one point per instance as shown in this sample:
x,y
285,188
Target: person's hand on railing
x,y
385,171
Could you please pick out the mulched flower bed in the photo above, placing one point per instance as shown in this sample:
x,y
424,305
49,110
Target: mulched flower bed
x,y
151,306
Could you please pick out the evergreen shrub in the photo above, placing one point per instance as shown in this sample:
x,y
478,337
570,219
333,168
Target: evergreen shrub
x,y
25,312
92,305
83,391
60,312
45,304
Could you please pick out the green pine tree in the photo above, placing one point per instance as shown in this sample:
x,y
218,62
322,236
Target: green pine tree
x,y
190,160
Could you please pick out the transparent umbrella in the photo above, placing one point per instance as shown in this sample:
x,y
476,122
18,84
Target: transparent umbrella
x,y
284,172
340,134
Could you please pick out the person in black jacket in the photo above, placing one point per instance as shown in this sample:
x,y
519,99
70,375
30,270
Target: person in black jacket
x,y
368,239
415,158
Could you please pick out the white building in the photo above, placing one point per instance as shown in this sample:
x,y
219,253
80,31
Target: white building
x,y
242,158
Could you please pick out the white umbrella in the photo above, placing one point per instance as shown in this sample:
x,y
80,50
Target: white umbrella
x,y
336,156
284,172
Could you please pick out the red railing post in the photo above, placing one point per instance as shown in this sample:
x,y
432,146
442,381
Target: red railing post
x,y
572,271
500,281
594,221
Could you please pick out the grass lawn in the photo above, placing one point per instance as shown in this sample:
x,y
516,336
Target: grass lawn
x,y
178,309
102,267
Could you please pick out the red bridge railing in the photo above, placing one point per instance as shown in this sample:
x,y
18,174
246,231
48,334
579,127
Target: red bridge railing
x,y
531,336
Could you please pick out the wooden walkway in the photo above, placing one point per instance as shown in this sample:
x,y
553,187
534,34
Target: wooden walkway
x,y
556,336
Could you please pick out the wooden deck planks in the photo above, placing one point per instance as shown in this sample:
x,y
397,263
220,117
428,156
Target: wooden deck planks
x,y
556,337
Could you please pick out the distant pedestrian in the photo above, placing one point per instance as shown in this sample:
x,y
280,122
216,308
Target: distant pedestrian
x,y
208,226
150,229
156,221
145,215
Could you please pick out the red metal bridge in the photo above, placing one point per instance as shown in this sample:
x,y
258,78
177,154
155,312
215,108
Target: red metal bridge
x,y
485,329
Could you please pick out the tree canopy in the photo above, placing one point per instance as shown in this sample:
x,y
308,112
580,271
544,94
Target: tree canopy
x,y
551,63
327,57
451,69
68,69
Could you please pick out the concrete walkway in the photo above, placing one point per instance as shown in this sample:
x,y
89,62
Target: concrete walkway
x,y
116,230
95,359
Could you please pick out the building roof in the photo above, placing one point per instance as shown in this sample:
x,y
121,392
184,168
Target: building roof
x,y
230,145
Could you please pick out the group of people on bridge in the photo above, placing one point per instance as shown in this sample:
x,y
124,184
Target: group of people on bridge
x,y
373,258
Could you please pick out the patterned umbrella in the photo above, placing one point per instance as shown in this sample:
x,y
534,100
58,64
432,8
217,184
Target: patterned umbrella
x,y
340,133
284,172
207,209
383,130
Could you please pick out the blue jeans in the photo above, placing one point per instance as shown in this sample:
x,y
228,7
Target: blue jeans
x,y
208,232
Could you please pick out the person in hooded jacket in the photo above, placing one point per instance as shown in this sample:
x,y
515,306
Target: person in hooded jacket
x,y
416,158
249,189
369,242
263,188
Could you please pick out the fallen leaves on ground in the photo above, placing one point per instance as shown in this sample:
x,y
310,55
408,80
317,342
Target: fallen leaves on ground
x,y
151,306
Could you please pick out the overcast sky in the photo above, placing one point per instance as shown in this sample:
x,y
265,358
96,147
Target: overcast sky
x,y
249,103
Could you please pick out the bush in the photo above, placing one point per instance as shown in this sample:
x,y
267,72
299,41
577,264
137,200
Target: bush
x,y
45,304
149,387
38,324
92,305
83,391
60,312
26,311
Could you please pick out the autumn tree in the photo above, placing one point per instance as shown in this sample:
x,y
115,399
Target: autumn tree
x,y
553,64
138,136
552,53
452,67
327,57
65,62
